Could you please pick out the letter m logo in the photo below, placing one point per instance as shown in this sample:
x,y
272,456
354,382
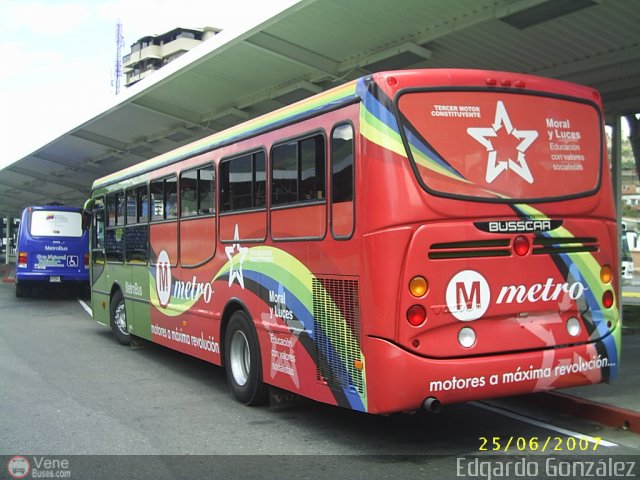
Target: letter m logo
x,y
468,295
468,299
163,277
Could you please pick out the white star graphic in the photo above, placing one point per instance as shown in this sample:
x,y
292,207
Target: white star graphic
x,y
242,252
282,363
483,136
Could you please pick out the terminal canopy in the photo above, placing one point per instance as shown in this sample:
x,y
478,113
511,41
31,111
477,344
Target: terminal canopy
x,y
318,44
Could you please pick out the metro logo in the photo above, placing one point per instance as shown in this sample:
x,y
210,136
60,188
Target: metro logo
x,y
468,299
540,292
468,295
191,290
163,278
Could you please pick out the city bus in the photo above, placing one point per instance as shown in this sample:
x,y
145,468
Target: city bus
x,y
52,249
404,241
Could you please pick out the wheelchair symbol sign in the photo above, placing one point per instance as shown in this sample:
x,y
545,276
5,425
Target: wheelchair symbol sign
x,y
72,261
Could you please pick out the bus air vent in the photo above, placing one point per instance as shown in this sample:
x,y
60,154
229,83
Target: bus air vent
x,y
554,246
470,249
337,333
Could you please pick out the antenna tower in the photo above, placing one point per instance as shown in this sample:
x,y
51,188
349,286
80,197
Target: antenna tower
x,y
119,45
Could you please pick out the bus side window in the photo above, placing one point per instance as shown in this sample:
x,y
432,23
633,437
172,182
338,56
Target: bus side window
x,y
342,181
243,182
171,197
189,193
197,192
298,189
137,230
157,200
98,224
164,199
298,171
206,190
114,232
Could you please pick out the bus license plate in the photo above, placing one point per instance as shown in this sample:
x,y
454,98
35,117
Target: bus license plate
x,y
54,279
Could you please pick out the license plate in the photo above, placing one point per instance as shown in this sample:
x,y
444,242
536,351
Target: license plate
x,y
54,279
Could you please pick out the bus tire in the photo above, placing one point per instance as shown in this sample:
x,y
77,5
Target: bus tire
x,y
242,361
118,314
22,289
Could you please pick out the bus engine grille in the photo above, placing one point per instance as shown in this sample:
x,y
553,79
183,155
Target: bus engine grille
x,y
337,333
470,249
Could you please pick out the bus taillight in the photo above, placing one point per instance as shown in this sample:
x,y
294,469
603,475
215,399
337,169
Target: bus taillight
x,y
86,260
607,299
22,260
521,245
416,315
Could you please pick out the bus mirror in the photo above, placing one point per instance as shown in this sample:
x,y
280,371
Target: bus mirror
x,y
86,219
86,213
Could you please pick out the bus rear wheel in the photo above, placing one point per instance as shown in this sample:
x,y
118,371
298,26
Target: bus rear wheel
x,y
119,325
242,361
22,289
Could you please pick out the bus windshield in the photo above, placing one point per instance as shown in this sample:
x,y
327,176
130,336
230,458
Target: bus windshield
x,y
502,146
54,223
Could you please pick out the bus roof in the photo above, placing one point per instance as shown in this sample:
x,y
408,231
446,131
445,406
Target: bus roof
x,y
323,102
329,100
56,207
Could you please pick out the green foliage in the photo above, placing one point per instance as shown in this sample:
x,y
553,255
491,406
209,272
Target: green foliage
x,y
629,212
626,152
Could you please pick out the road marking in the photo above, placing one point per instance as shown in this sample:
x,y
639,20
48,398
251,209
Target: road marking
x,y
86,307
537,423
631,294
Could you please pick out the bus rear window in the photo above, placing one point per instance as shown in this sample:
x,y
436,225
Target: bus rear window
x,y
502,146
54,223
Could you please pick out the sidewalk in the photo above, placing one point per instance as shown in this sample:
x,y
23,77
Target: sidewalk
x,y
7,273
616,405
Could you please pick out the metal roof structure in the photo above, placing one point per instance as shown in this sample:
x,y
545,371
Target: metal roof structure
x,y
318,44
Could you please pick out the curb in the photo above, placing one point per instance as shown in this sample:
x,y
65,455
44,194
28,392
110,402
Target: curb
x,y
602,413
8,275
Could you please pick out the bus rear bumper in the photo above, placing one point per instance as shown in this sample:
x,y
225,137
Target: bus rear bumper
x,y
51,277
403,381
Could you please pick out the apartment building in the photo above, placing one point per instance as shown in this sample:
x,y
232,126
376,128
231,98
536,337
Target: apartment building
x,y
152,52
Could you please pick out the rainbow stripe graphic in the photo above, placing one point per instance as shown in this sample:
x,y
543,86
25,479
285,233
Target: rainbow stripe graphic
x,y
584,268
324,102
332,342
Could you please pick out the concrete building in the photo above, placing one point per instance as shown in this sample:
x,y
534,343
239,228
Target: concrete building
x,y
152,52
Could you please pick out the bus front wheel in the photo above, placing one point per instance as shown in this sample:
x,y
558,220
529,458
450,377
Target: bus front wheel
x,y
119,325
242,361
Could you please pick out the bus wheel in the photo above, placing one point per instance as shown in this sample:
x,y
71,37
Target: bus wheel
x,y
242,361
119,319
22,290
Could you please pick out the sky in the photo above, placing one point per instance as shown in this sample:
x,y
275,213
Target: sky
x,y
59,56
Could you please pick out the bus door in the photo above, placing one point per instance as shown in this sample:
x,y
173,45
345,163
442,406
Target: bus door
x,y
99,280
135,275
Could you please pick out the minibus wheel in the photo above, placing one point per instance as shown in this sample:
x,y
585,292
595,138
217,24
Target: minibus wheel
x,y
243,362
22,289
119,325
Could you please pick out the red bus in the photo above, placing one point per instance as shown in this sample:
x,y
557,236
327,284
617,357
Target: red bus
x,y
407,240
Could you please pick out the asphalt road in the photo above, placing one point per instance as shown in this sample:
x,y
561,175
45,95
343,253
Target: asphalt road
x,y
68,390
